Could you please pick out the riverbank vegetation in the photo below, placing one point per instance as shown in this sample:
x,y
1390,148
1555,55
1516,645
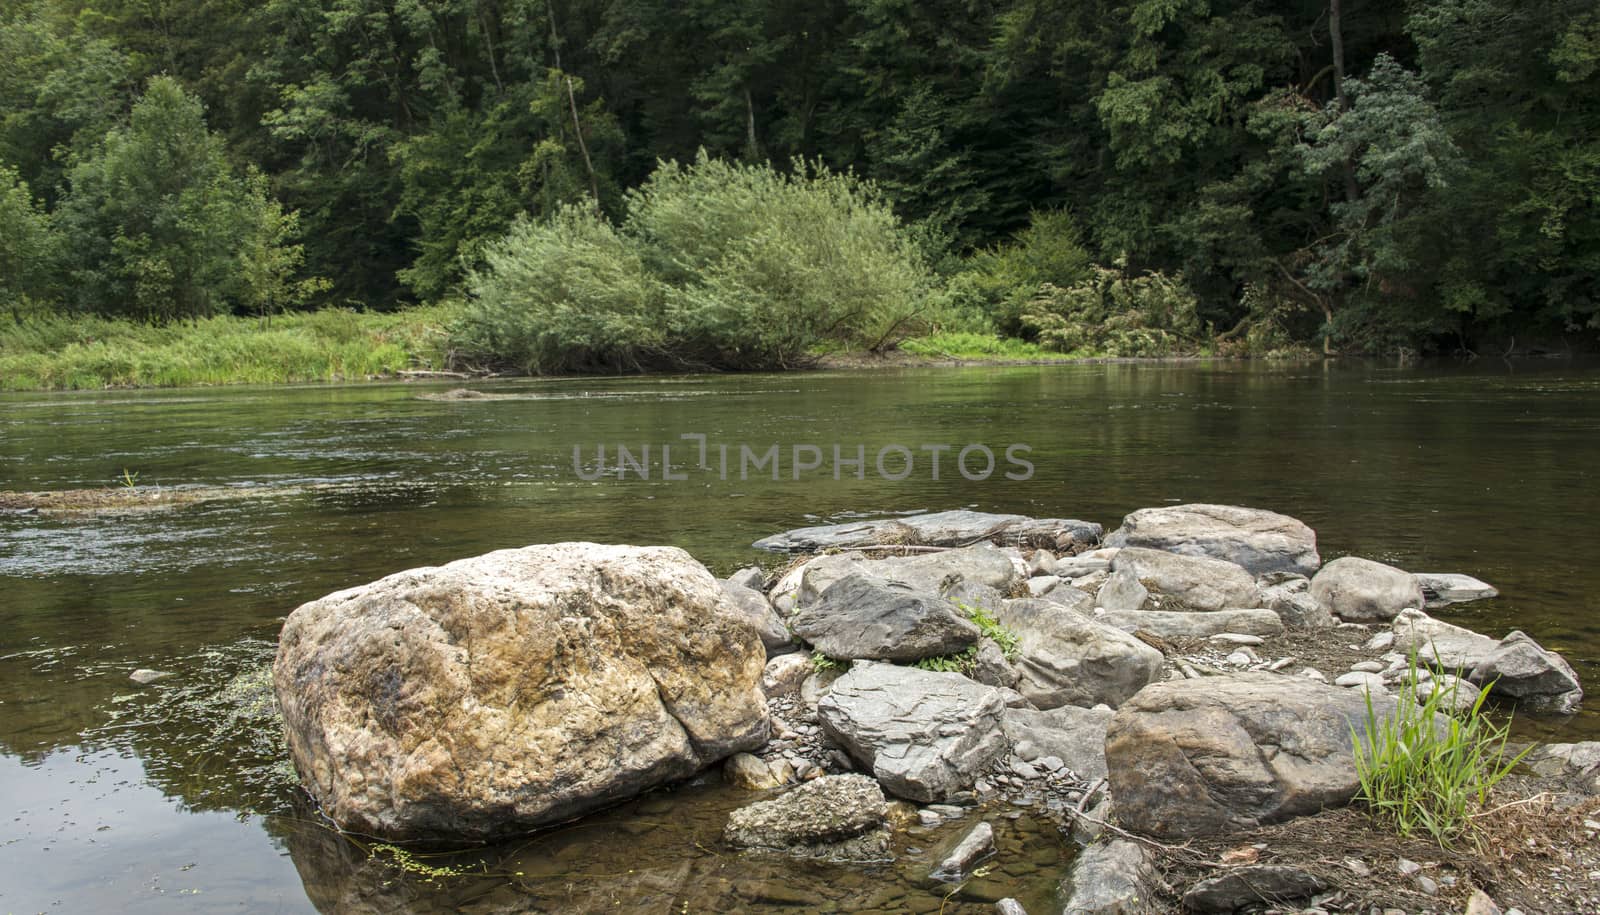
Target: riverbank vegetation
x,y
640,185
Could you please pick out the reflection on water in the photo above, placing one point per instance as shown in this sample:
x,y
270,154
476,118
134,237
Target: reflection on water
x,y
1481,469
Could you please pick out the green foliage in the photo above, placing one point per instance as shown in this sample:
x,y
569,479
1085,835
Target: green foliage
x,y
28,246
821,663
1114,313
82,352
1005,279
965,345
993,630
1421,770
962,663
158,226
715,265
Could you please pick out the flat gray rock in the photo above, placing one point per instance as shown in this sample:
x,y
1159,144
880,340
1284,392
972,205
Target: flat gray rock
x,y
1179,625
1289,596
934,573
1181,582
951,528
1445,588
924,735
1065,658
1123,592
1360,590
860,616
1260,541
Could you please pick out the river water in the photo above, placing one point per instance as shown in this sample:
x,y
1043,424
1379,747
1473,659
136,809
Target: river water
x,y
173,796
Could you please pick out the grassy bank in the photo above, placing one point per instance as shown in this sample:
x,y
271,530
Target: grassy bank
x,y
75,353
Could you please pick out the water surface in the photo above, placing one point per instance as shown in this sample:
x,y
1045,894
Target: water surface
x,y
161,798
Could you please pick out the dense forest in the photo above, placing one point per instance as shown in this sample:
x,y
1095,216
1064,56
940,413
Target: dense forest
x,y
1129,176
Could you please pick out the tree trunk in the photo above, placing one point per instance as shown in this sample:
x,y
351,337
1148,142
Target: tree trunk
x,y
1336,34
572,100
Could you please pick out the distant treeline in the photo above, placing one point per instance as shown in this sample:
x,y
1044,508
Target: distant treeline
x,y
1133,176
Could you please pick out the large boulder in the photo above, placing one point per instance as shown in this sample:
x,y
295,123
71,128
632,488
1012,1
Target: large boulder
x,y
1440,644
1076,736
924,735
951,528
1122,592
1260,541
1181,582
838,817
1179,625
1065,658
1575,765
500,693
1197,757
860,616
1359,590
935,573
1521,668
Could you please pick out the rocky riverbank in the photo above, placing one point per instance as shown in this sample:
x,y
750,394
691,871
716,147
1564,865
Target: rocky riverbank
x,y
1180,695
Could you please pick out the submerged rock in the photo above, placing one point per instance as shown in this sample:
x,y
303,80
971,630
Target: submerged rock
x,y
924,735
860,616
1196,757
951,528
1110,878
500,693
752,773
1188,582
1066,658
839,817
1445,588
145,676
1359,590
973,847
1521,668
1260,541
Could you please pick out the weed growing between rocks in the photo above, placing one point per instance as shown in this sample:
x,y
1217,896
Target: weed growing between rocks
x,y
960,663
1424,770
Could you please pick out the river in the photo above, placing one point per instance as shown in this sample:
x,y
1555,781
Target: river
x,y
169,797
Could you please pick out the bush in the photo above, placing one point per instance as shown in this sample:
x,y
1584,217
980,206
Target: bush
x,y
715,265
1002,281
1418,775
1113,313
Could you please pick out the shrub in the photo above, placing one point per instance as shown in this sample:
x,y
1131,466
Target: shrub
x,y
570,294
1111,312
715,265
1420,774
1049,252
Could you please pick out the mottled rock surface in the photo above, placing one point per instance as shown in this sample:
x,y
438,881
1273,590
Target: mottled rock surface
x,y
1110,878
1521,668
1260,884
1076,736
496,694
1197,757
841,817
1066,658
951,528
1182,625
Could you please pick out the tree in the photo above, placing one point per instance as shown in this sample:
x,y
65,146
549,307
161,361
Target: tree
x,y
158,225
27,246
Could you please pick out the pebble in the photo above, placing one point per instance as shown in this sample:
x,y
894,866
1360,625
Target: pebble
x,y
1024,770
1235,638
1311,673
1426,885
1055,764
1240,659
1357,867
1361,680
145,675
1407,867
1280,664
1383,641
1371,667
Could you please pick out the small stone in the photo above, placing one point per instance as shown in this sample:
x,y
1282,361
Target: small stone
x,y
1055,764
1311,673
1235,638
1383,641
1427,885
1481,903
145,675
1371,667
929,818
1357,867
976,845
1361,680
1407,867
1240,659
1009,906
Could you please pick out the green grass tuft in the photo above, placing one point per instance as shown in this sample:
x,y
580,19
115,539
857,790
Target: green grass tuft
x,y
1420,775
977,347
